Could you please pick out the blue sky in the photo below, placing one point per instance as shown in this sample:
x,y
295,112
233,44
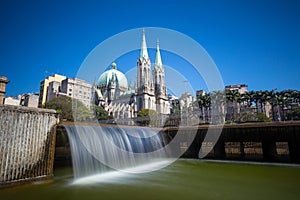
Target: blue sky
x,y
251,42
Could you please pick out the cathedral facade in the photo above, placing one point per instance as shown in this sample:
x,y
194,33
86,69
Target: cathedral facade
x,y
123,100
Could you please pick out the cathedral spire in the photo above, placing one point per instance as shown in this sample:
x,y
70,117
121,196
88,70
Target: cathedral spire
x,y
144,51
158,61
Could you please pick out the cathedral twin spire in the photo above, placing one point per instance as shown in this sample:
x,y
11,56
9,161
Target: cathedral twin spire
x,y
144,52
156,83
158,62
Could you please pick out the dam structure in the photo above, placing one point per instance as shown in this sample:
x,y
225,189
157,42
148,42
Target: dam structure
x,y
27,144
97,150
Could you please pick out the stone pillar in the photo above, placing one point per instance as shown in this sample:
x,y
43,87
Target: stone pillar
x,y
3,82
269,150
219,150
294,144
242,150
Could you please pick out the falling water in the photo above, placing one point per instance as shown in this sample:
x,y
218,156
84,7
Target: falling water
x,y
96,149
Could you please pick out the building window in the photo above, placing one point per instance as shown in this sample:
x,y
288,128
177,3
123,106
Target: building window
x,y
70,94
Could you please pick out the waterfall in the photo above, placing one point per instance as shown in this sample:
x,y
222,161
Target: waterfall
x,y
98,149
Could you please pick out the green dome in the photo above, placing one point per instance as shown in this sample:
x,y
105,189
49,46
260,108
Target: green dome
x,y
115,74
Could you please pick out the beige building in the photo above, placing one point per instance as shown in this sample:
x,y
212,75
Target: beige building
x,y
241,88
3,82
44,85
13,101
29,100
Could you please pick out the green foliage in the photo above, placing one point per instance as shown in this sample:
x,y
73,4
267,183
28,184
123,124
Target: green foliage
x,y
82,113
251,117
63,105
100,113
146,112
146,116
294,114
66,107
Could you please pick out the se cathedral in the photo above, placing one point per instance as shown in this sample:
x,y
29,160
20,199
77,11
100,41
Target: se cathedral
x,y
121,100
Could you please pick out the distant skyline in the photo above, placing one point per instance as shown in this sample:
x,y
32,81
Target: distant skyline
x,y
251,42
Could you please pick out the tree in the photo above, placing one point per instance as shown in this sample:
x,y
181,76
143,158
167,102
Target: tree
x,y
204,102
100,113
144,117
233,98
66,107
293,114
247,116
201,103
83,114
218,100
63,105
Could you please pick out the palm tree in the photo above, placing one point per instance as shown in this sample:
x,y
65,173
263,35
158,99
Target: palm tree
x,y
284,99
272,99
248,97
259,99
207,105
233,98
218,100
201,104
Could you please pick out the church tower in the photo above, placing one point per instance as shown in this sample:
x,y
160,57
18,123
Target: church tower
x,y
145,88
162,103
143,66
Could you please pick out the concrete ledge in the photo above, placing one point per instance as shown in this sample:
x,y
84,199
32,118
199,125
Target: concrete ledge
x,y
26,109
22,182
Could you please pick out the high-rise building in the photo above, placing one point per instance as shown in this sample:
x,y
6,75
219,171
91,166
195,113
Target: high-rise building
x,y
44,85
77,89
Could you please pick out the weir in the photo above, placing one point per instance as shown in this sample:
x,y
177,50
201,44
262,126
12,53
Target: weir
x,y
27,144
275,142
97,149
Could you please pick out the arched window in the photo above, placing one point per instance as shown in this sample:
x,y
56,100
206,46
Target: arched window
x,y
140,105
145,75
141,76
149,103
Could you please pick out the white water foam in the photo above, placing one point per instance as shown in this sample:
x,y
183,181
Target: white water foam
x,y
116,176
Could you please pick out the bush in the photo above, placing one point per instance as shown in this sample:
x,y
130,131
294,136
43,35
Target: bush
x,y
293,114
252,117
144,117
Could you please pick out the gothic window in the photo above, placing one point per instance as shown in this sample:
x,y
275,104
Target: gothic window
x,y
149,103
145,72
141,76
140,106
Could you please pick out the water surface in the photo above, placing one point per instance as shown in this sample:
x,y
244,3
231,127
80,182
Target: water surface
x,y
184,179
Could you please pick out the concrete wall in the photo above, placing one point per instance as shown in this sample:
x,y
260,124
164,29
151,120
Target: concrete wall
x,y
279,142
27,144
267,140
